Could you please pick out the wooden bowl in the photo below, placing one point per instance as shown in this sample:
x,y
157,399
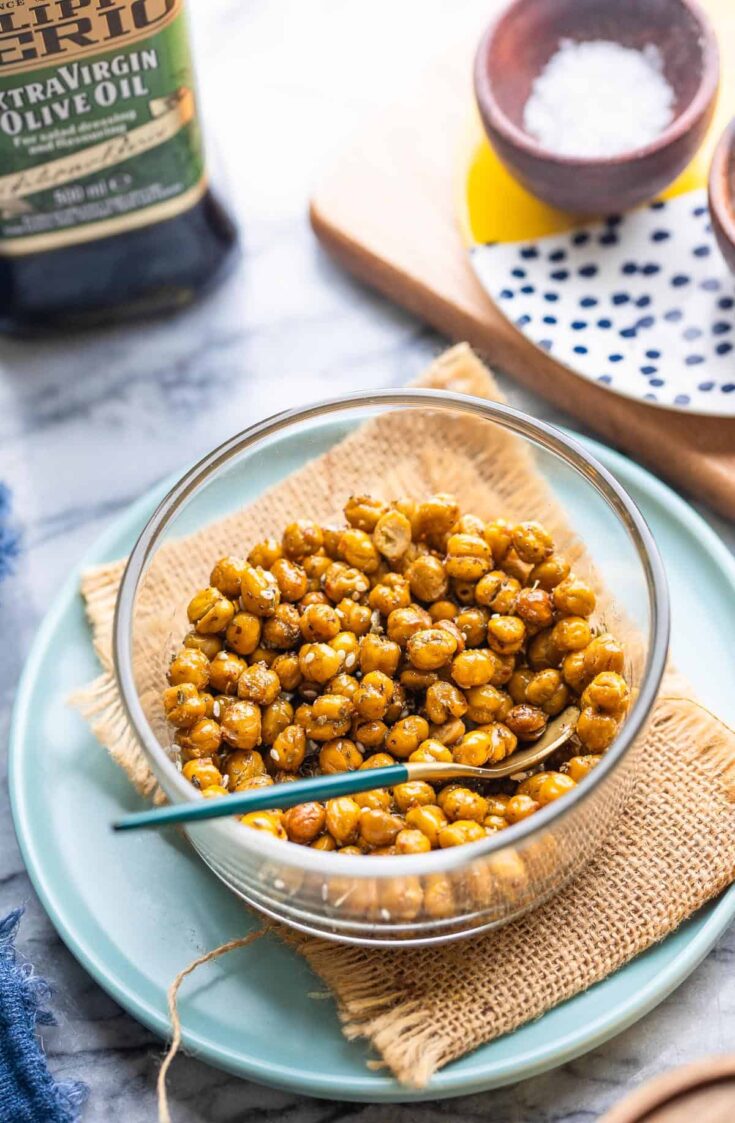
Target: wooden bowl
x,y
517,47
722,194
704,1092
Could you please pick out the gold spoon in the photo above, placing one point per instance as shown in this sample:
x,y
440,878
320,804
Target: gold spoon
x,y
346,783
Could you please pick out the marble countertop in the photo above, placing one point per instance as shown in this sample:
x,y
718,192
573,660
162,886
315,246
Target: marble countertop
x,y
88,423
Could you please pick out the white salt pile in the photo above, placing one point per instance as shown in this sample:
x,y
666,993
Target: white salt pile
x,y
599,99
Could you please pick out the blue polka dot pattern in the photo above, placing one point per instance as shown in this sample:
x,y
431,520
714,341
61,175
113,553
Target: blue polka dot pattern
x,y
660,300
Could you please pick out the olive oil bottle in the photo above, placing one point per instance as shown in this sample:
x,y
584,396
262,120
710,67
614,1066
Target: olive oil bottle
x,y
106,211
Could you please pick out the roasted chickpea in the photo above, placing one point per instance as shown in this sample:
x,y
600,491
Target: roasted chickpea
x,y
444,701
532,542
274,719
406,736
472,624
259,591
526,722
209,611
431,648
596,730
503,742
427,578
357,548
267,821
302,538
547,574
449,733
316,567
429,819
463,591
370,734
468,557
344,684
318,662
377,798
373,695
378,827
241,725
305,822
520,807
343,819
542,686
259,684
342,582
389,593
202,773
292,580
506,634
535,608
498,592
543,651
392,535
604,654
460,833
580,766
462,803
414,793
485,703
209,645
431,752
473,749
403,623
474,667
347,647
437,515
442,610
243,633
324,842
415,681
571,633
573,671
241,766
265,554
203,739
354,617
184,705
289,749
608,691
411,842
288,670
498,534
319,622
364,511
379,654
226,576
574,597
191,666
518,684
545,787
331,717
339,755
213,791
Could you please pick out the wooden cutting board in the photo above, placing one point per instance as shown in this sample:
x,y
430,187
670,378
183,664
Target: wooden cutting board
x,y
387,212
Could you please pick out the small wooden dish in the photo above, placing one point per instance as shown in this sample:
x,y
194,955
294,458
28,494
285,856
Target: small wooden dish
x,y
703,1091
722,195
518,45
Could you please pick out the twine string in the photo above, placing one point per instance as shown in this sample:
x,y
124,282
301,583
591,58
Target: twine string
x,y
164,1115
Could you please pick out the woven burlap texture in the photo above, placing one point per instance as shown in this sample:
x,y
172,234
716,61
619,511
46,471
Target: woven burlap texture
x,y
673,849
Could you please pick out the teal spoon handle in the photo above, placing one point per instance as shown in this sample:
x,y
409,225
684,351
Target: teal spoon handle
x,y
263,799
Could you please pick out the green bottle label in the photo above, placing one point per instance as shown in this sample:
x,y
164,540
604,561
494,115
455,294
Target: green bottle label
x,y
98,124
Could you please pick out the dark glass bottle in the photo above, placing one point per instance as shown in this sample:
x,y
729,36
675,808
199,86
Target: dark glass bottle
x,y
106,212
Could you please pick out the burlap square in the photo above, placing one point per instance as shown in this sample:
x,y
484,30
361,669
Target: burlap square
x,y
673,849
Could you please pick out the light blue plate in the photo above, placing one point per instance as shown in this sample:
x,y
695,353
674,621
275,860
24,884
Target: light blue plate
x,y
135,910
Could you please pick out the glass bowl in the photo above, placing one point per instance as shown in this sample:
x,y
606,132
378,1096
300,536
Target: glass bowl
x,y
435,440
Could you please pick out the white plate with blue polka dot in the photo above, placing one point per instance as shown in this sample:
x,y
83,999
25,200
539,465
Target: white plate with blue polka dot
x,y
641,303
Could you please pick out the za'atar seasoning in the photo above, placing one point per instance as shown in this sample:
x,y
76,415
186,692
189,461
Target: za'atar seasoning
x,y
105,206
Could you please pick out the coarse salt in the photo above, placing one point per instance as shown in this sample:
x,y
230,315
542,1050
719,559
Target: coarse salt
x,y
598,99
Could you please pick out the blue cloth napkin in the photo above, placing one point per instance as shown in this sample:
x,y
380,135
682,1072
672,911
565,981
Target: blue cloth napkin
x,y
28,1092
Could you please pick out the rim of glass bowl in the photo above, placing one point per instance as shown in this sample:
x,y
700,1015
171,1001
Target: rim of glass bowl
x,y
257,843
